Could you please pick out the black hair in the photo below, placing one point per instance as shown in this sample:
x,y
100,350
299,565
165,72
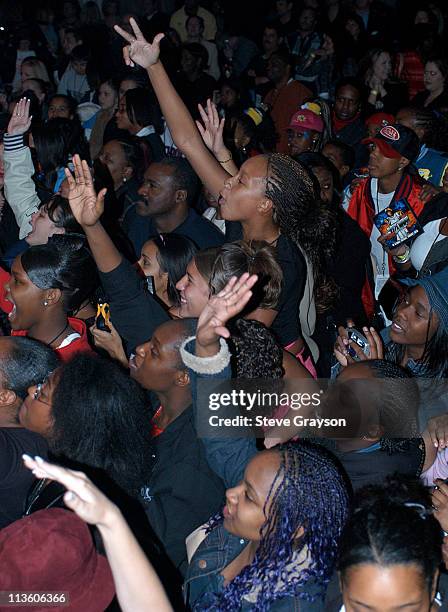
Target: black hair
x,y
80,53
27,363
198,17
434,124
139,77
393,525
100,419
313,160
350,82
55,142
183,176
255,351
263,137
63,263
59,212
347,152
442,65
71,102
142,108
283,55
199,52
44,85
174,254
389,404
134,155
304,218
434,361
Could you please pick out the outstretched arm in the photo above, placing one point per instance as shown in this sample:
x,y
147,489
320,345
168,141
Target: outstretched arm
x,y
180,122
136,583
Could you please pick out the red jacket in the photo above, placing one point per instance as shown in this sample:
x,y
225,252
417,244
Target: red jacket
x,y
362,209
80,345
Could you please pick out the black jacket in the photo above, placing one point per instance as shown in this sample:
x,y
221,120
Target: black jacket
x,y
183,492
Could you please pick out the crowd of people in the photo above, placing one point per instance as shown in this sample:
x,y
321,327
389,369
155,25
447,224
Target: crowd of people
x,y
209,197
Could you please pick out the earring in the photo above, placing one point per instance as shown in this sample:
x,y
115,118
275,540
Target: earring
x,y
45,303
124,179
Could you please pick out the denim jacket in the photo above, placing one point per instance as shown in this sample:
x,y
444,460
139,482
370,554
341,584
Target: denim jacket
x,y
204,580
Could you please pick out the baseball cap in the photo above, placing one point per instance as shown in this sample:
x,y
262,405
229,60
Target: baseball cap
x,y
305,119
381,119
436,288
395,141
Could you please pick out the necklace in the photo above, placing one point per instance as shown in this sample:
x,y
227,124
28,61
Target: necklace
x,y
59,334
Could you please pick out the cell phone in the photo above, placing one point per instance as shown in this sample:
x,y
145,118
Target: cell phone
x,y
355,336
102,317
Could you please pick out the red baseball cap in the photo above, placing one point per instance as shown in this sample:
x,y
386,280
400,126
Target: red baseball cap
x,y
305,119
381,119
395,141
53,550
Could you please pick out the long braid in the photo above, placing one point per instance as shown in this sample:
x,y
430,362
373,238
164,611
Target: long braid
x,y
303,218
308,491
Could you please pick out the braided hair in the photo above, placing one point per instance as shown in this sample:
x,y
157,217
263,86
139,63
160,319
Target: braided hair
x,y
304,218
393,524
434,124
308,491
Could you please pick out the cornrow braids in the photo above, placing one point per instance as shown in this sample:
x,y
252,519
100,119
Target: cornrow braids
x,y
435,126
308,491
303,217
393,524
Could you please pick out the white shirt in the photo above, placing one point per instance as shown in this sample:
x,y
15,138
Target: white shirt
x,y
379,255
424,243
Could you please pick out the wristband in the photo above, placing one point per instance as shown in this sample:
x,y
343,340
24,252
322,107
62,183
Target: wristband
x,y
402,259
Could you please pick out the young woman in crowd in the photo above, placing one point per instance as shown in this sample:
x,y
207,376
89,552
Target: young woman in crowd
x,y
435,96
385,94
352,253
138,114
93,415
48,283
62,107
164,262
416,340
264,197
124,159
391,539
108,100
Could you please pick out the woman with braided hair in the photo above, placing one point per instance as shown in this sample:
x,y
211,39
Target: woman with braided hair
x,y
272,197
391,551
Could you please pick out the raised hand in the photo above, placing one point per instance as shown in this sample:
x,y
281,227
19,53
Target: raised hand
x,y
139,51
87,207
82,496
221,308
20,119
211,128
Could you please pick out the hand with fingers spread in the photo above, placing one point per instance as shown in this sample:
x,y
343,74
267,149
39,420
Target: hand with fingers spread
x,y
219,310
211,130
20,121
139,50
82,496
87,207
